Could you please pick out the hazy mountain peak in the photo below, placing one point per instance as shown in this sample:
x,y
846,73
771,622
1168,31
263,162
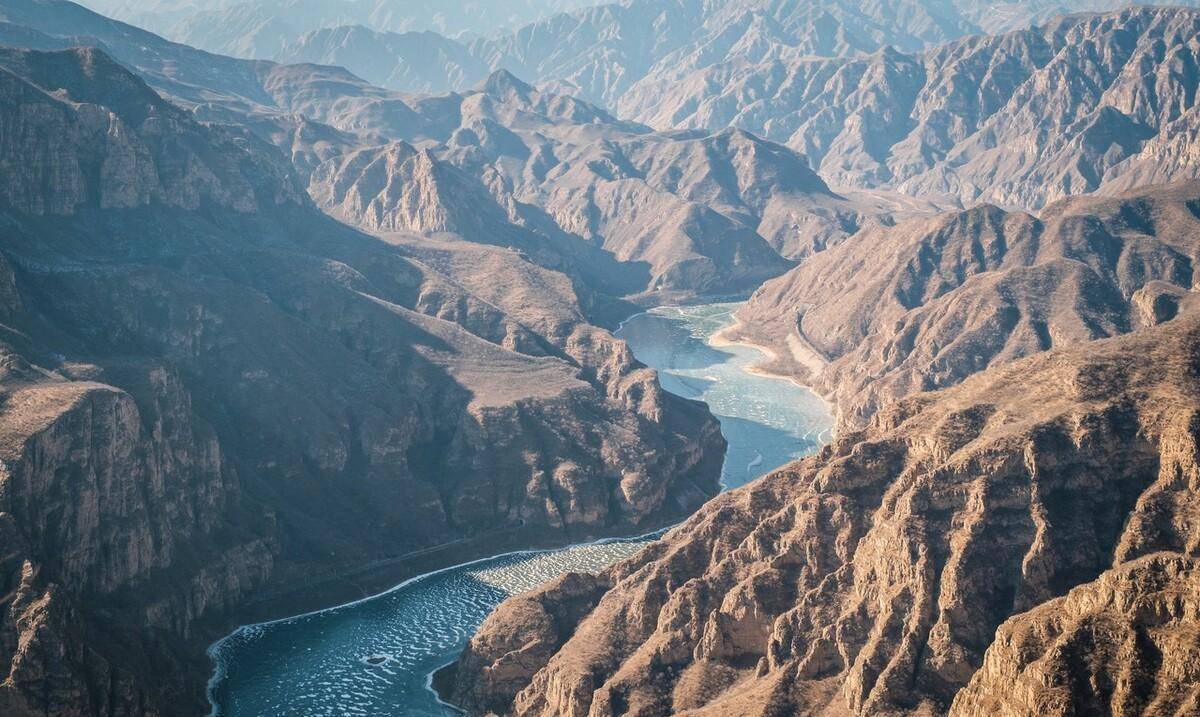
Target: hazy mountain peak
x,y
504,85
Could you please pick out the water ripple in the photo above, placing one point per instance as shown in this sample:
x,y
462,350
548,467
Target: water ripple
x,y
373,657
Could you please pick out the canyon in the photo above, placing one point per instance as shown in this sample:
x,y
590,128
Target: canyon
x,y
212,388
277,333
1022,543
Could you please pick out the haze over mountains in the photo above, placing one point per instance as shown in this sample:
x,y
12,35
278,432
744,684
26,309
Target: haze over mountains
x,y
274,331
867,93
597,53
254,29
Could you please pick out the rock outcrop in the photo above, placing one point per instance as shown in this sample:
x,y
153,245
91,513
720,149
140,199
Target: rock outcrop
x,y
1126,643
1023,543
209,389
930,302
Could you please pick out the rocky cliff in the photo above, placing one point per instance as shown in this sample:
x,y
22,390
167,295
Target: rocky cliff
x,y
1024,543
930,302
212,390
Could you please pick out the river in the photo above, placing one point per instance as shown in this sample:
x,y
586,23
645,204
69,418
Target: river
x,y
373,657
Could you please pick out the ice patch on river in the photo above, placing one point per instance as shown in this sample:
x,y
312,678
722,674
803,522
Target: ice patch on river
x,y
373,656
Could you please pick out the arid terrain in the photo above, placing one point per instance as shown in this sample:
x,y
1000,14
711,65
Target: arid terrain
x,y
1024,543
299,298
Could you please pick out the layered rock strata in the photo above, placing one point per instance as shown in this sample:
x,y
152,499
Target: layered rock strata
x,y
1023,543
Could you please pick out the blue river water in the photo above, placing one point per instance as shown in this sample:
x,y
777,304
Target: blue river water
x,y
373,657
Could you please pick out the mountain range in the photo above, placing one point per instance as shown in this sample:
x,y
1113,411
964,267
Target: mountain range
x,y
906,96
1021,544
255,29
1096,102
276,332
211,389
597,53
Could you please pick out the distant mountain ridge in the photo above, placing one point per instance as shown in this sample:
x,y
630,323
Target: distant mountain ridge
x,y
256,29
601,50
829,81
1021,119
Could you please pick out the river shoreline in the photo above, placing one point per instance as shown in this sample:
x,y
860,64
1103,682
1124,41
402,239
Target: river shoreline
x,y
214,649
731,364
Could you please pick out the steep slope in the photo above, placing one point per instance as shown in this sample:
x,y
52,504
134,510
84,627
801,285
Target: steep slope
x,y
594,196
212,389
215,87
930,302
1059,493
669,214
1123,644
1022,119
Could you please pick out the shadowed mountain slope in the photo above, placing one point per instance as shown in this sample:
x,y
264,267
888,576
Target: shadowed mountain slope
x,y
212,391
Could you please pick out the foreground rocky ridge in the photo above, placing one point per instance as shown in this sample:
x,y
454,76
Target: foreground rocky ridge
x,y
211,389
1024,543
930,302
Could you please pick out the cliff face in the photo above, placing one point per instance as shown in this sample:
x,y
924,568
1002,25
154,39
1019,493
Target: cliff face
x,y
211,390
1123,644
927,303
1054,499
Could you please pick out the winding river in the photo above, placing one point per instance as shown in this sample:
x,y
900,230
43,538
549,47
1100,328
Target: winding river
x,y
374,656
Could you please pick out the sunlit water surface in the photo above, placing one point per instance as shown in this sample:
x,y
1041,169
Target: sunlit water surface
x,y
374,657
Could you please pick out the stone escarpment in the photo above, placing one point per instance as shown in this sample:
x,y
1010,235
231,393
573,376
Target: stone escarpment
x,y
103,497
211,391
927,303
1127,643
1023,543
